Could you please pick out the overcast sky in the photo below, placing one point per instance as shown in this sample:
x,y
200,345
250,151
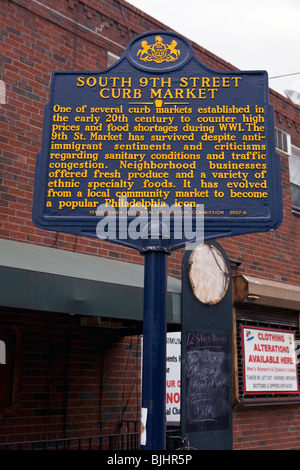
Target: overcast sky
x,y
251,35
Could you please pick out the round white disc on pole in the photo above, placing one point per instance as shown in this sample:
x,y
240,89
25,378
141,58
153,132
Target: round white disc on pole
x,y
208,274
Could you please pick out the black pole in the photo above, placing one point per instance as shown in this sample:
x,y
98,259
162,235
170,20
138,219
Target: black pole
x,y
154,349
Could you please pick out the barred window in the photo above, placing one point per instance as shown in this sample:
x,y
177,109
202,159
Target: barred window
x,y
282,141
263,317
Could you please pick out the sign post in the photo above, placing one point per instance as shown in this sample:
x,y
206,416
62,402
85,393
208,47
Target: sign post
x,y
143,152
153,435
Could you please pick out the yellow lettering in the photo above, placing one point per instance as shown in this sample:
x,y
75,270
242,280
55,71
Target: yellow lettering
x,y
101,93
236,81
184,82
80,81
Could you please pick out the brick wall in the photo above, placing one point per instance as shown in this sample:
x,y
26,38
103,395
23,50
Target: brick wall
x,y
75,381
267,428
274,255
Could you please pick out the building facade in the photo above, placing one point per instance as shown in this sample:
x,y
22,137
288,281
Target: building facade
x,y
71,307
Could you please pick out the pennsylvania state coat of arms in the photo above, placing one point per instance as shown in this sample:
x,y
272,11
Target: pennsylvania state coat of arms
x,y
158,52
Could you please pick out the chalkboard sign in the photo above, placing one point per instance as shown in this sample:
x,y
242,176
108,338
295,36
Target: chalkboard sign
x,y
207,381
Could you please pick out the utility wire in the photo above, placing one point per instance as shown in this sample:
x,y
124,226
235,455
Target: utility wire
x,y
287,75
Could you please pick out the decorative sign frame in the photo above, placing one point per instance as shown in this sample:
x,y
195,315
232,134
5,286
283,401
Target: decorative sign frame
x,y
160,136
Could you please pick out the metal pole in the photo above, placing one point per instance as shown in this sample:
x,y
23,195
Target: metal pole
x,y
154,349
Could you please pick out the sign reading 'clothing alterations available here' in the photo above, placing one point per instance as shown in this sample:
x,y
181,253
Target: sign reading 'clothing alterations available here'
x,y
159,129
270,361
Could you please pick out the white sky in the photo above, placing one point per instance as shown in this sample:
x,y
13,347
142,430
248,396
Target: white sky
x,y
251,35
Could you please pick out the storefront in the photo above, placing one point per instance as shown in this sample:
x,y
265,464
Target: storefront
x,y
71,308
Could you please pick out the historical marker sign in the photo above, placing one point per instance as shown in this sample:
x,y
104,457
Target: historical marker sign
x,y
158,130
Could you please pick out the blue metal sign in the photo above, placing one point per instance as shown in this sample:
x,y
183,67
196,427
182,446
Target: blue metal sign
x,y
158,140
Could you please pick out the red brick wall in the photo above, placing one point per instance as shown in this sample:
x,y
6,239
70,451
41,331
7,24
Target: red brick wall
x,y
75,381
274,255
36,38
267,428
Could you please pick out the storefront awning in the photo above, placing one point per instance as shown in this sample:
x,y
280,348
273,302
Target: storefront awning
x,y
266,292
48,279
